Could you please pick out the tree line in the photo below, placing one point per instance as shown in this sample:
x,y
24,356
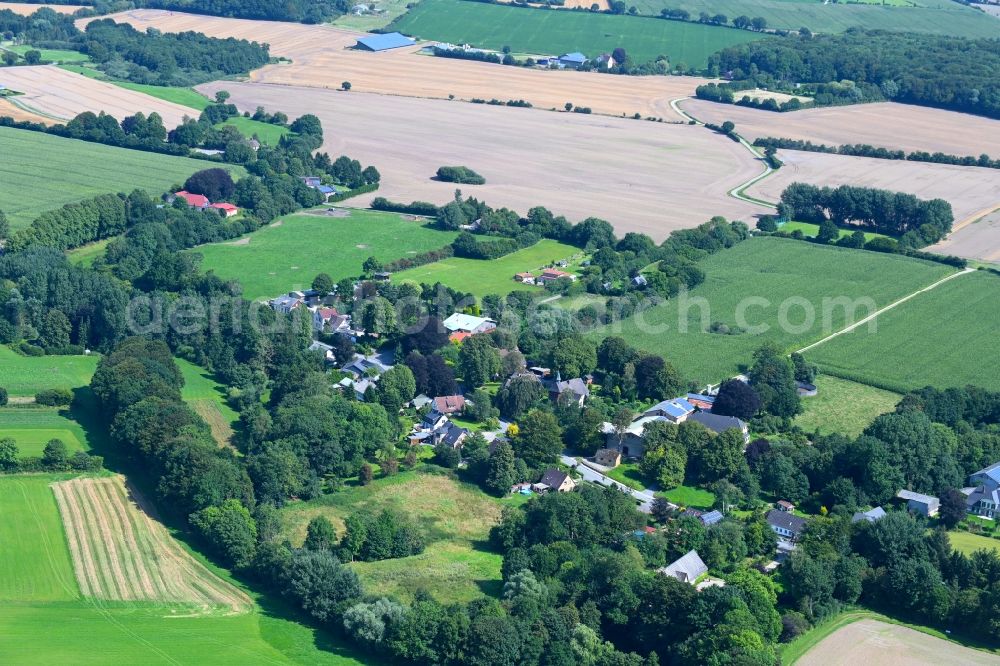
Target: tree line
x,y
878,152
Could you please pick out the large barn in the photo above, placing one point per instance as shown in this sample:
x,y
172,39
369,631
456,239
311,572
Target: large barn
x,y
392,40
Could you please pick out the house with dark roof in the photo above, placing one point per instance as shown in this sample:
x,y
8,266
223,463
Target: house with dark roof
x,y
925,505
785,525
451,435
557,480
687,569
287,302
675,410
572,390
982,497
572,60
390,40
719,424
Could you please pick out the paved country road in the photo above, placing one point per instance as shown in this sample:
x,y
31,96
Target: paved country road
x,y
644,497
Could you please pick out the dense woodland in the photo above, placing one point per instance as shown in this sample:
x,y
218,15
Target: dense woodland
x,y
300,11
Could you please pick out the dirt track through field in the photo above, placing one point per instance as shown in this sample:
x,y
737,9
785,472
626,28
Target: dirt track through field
x,y
322,57
121,553
640,176
62,94
897,126
27,9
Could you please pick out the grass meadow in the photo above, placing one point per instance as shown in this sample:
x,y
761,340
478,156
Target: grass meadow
x,y
51,55
944,337
557,32
32,427
810,230
844,406
51,171
207,397
968,543
480,277
941,17
286,256
782,275
26,375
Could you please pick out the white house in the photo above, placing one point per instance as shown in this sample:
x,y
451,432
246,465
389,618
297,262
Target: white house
x,y
465,323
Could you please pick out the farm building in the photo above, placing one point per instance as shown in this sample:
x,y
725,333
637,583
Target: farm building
x,y
926,505
391,40
687,569
459,322
608,457
572,60
193,200
227,209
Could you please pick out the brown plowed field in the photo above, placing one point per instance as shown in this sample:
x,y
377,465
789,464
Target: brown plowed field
x,y
121,553
640,176
321,57
897,126
27,9
56,92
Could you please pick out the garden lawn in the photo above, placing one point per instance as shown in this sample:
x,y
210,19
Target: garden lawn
x,y
266,132
968,543
455,517
556,32
288,255
27,375
944,337
33,427
760,278
628,473
843,406
494,276
691,497
40,172
810,230
207,397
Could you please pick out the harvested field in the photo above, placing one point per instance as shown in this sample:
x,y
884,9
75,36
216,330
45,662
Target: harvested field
x,y
8,108
970,190
121,553
27,9
649,177
52,91
898,126
317,52
979,239
876,643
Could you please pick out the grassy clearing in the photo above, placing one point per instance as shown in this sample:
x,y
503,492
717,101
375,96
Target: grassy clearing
x,y
496,276
207,397
27,375
287,256
968,543
776,273
689,496
86,254
810,230
50,55
265,132
844,406
940,17
944,337
42,172
456,517
557,32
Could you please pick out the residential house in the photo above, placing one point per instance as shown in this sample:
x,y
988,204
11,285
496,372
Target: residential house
x,y
420,401
526,278
362,366
719,424
572,60
630,442
711,518
983,495
322,315
785,505
449,404
553,274
433,421
326,349
573,390
327,191
687,569
606,61
227,209
312,181
925,505
359,386
199,201
557,480
287,302
452,435
675,411
608,457
786,525
701,401
872,515
465,323
254,145
639,281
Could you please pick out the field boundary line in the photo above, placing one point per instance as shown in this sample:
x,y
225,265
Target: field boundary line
x,y
972,219
875,314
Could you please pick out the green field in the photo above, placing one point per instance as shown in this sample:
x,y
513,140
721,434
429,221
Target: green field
x,y
810,230
388,11
942,17
844,406
689,496
266,132
557,32
944,337
207,397
968,543
40,172
772,271
86,254
286,256
479,277
50,55
26,375
32,428
456,518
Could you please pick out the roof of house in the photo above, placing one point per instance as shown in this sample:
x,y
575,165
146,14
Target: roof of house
x,y
786,504
554,478
576,385
711,518
640,281
224,206
286,300
975,495
992,473
701,401
420,401
390,40
576,56
553,273
676,407
871,515
459,321
326,313
687,568
449,403
325,189
717,422
909,495
786,520
319,346
454,434
199,200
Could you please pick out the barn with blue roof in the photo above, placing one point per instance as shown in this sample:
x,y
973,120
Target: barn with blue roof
x,y
391,40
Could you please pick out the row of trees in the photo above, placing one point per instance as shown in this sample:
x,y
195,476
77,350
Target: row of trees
x,y
868,150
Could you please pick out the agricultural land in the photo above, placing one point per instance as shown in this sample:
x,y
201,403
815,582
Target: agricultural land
x,y
774,270
208,398
978,238
52,171
32,427
480,277
937,338
843,406
288,254
26,9
674,176
27,375
557,32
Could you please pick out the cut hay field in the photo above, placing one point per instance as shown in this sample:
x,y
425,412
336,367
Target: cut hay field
x,y
759,279
26,375
479,277
557,32
62,94
875,643
968,189
978,239
649,177
843,406
939,17
26,9
40,172
32,427
885,124
287,256
207,397
316,51
944,337
456,518
46,620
